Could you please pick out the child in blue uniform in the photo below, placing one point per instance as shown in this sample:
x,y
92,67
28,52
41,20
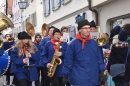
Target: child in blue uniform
x,y
47,56
25,52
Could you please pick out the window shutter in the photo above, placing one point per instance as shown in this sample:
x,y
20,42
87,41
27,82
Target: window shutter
x,y
59,3
48,6
53,6
44,7
62,2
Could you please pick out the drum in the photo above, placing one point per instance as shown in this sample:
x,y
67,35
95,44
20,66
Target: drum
x,y
4,63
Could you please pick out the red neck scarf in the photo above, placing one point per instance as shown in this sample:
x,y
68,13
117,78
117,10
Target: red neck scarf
x,y
83,40
36,42
54,43
24,50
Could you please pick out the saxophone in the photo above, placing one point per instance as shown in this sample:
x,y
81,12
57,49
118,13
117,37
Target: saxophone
x,y
54,62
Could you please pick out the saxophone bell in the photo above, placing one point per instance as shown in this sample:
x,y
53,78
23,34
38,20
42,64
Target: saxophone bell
x,y
58,61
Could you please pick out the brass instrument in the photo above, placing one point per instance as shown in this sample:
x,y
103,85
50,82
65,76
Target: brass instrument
x,y
54,62
10,39
1,43
5,23
101,41
30,29
44,30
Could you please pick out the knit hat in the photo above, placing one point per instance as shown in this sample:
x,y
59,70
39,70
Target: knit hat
x,y
37,35
92,24
123,35
23,35
118,28
56,30
83,23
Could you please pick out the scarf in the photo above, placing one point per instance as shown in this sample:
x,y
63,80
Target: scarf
x,y
24,50
54,43
36,42
83,40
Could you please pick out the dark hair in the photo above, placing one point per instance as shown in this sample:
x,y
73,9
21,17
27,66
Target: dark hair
x,y
56,30
7,34
64,28
127,27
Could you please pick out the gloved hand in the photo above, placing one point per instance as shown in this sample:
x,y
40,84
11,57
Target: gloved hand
x,y
65,79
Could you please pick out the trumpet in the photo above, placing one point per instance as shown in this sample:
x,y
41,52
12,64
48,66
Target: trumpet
x,y
101,40
10,39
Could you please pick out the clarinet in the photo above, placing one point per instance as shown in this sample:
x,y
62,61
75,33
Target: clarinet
x,y
28,59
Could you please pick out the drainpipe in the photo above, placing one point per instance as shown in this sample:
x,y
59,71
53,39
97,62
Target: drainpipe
x,y
6,7
93,10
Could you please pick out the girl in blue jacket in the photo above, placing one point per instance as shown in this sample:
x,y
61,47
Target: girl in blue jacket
x,y
47,55
25,52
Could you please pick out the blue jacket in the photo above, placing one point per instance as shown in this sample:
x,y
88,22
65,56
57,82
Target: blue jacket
x,y
1,51
83,65
21,72
8,45
39,62
47,55
43,42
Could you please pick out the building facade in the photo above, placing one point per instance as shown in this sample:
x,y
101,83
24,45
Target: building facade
x,y
61,13
33,14
111,13
8,12
17,17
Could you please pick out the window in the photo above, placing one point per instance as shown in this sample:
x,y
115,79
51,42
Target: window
x,y
65,1
46,7
34,19
14,3
55,4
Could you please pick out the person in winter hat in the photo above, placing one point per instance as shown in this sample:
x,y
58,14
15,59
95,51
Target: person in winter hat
x,y
24,52
118,56
87,48
47,56
93,26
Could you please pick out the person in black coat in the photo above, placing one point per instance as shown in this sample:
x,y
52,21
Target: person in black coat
x,y
118,55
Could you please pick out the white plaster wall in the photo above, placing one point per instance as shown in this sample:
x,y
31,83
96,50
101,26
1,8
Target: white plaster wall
x,y
35,6
14,10
71,20
97,2
111,10
64,10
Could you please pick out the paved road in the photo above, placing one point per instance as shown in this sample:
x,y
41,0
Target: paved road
x,y
7,85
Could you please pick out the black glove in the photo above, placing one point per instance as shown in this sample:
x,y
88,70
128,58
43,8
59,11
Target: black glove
x,y
102,78
65,79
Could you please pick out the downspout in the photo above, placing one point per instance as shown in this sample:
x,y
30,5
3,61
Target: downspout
x,y
6,7
93,10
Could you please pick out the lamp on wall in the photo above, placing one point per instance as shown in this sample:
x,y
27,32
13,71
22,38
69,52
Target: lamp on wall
x,y
22,5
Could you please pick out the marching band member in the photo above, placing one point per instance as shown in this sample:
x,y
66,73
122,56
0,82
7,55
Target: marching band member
x,y
83,60
39,64
8,75
106,46
65,30
45,79
25,52
48,53
48,38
